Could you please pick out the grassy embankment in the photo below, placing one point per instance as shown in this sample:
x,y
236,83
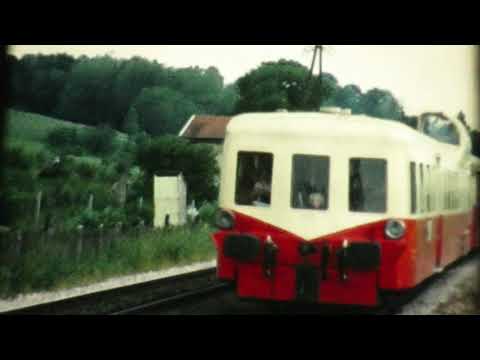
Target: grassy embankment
x,y
52,265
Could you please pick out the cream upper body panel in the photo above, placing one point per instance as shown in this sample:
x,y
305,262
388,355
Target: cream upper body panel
x,y
340,138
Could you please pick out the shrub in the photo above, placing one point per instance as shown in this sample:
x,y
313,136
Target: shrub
x,y
19,158
110,217
89,219
98,141
62,137
198,164
207,212
86,170
66,195
107,173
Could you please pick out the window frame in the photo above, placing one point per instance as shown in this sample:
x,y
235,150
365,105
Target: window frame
x,y
237,174
329,181
422,189
387,204
413,188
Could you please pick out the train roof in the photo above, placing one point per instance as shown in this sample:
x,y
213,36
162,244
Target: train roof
x,y
324,125
340,126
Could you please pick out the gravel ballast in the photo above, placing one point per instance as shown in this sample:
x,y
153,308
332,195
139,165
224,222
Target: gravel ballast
x,y
453,293
34,299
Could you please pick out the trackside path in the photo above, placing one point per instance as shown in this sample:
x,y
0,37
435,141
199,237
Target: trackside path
x,y
29,300
456,287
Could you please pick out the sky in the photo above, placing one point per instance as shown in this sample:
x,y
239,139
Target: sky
x,y
440,78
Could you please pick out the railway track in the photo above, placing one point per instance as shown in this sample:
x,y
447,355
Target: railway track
x,y
135,299
200,293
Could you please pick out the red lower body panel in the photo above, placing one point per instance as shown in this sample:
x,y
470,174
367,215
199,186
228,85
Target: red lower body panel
x,y
404,263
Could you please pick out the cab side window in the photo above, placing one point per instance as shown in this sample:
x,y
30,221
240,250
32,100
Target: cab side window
x,y
368,185
254,179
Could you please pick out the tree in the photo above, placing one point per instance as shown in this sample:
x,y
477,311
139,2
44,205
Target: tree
x,y
131,125
87,97
197,163
283,84
134,75
381,104
349,97
163,111
227,100
38,80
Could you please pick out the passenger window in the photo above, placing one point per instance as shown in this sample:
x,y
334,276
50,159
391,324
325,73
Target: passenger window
x,y
413,187
310,182
254,179
368,185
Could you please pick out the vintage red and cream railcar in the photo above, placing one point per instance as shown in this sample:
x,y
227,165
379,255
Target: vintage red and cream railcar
x,y
335,208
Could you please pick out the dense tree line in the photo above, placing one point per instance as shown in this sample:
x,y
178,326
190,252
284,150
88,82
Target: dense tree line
x,y
128,95
286,85
138,95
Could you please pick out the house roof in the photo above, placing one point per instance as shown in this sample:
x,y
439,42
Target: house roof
x,y
206,127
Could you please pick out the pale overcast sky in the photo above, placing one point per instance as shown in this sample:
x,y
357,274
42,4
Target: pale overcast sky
x,y
423,77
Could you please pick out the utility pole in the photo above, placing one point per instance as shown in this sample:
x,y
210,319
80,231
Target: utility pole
x,y
318,50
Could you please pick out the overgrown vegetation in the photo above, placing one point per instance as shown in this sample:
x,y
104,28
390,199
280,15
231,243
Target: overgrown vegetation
x,y
197,163
52,265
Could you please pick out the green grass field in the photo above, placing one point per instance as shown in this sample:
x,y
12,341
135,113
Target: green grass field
x,y
31,130
33,127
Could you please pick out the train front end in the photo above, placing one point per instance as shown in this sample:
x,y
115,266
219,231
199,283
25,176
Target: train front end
x,y
334,209
305,220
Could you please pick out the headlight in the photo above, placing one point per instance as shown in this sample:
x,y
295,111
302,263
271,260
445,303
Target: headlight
x,y
224,220
395,229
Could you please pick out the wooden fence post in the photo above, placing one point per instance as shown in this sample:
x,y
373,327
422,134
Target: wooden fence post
x,y
18,243
140,228
38,208
90,203
118,231
100,237
79,241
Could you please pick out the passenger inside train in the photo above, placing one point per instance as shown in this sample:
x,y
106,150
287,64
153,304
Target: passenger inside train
x,y
254,179
310,182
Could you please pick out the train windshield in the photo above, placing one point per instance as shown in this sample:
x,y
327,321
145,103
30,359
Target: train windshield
x,y
368,185
254,179
310,182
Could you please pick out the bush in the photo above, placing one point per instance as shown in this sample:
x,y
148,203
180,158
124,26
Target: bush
x,y
136,215
107,173
100,140
207,212
197,163
62,137
18,158
89,219
74,149
86,170
110,217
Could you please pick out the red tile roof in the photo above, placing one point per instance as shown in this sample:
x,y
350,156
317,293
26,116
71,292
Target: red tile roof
x,y
206,127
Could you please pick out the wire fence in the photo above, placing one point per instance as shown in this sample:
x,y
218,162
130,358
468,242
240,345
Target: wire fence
x,y
68,244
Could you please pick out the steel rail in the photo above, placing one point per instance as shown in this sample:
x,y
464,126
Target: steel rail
x,y
112,299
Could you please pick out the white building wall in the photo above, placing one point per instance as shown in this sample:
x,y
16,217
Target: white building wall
x,y
170,199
